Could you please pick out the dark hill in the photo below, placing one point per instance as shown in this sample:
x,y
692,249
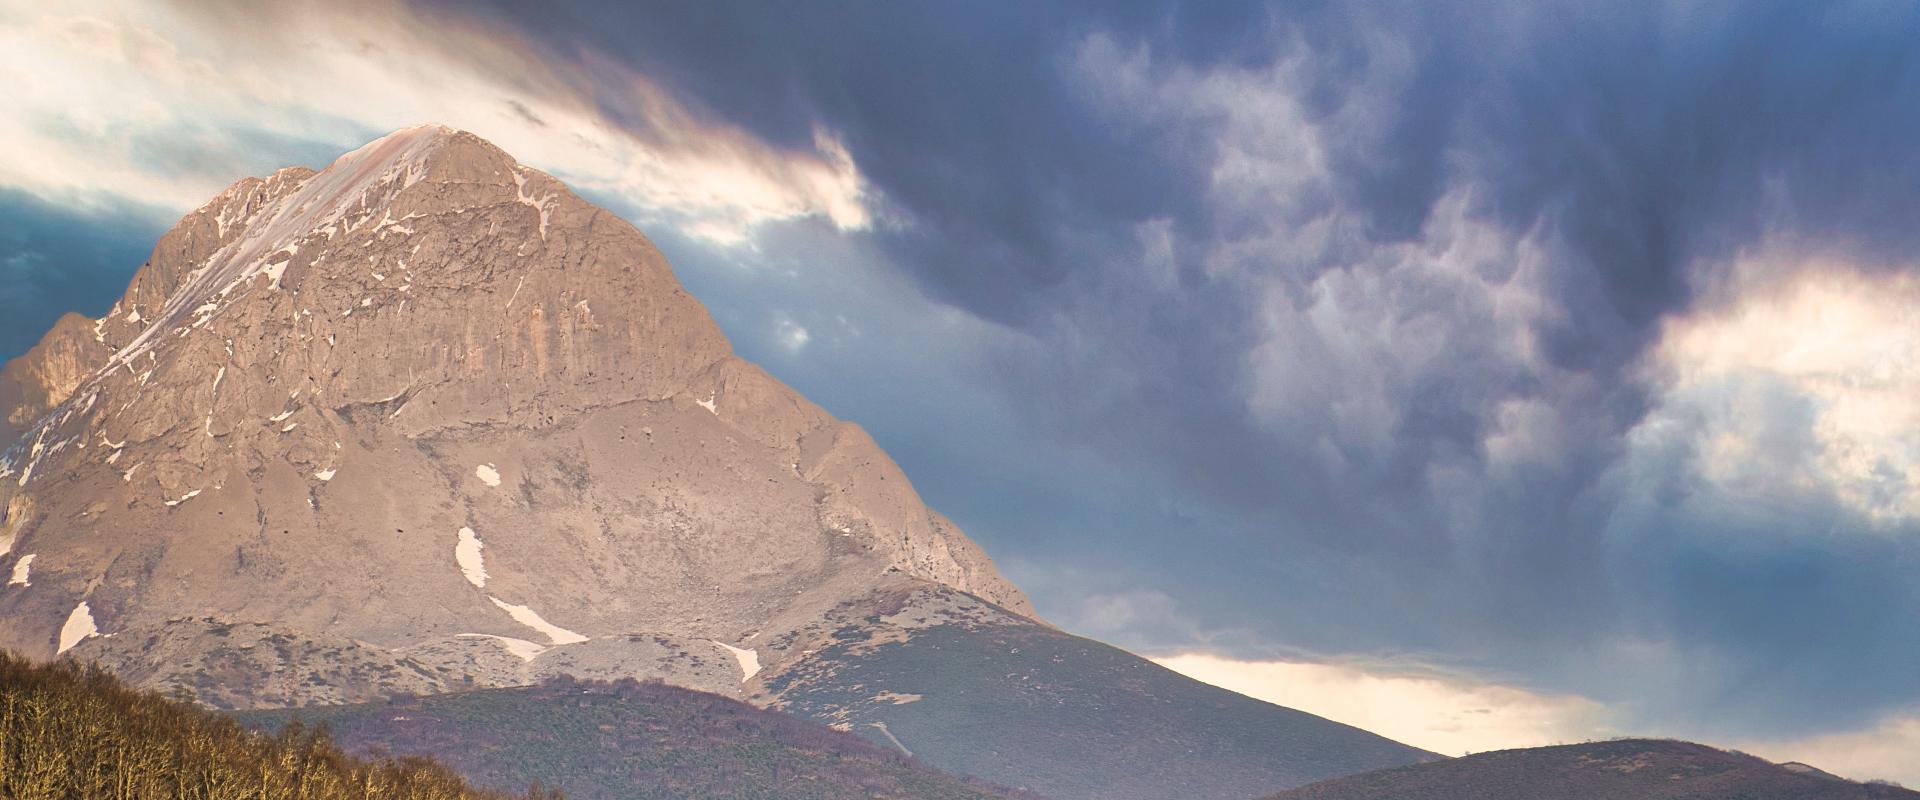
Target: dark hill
x,y
626,739
1628,769
976,691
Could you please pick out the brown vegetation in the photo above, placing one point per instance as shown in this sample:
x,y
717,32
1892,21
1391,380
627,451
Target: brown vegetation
x,y
78,733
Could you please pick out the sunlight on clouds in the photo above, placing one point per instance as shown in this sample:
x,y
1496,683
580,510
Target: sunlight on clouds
x,y
1455,716
142,101
1446,715
1846,349
1883,752
76,86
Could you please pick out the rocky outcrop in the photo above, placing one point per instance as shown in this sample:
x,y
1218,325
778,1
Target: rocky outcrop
x,y
46,375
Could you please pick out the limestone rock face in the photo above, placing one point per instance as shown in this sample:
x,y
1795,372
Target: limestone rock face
x,y
43,378
427,405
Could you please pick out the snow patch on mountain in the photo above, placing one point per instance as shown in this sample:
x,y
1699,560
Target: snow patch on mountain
x,y
78,627
749,659
467,554
532,619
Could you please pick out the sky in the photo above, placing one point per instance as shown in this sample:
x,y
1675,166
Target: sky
x,y
1484,374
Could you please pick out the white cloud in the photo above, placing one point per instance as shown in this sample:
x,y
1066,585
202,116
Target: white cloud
x,y
140,101
1344,350
1444,714
789,334
1885,751
1808,383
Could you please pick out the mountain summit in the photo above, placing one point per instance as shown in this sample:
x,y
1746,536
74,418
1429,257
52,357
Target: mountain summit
x,y
425,421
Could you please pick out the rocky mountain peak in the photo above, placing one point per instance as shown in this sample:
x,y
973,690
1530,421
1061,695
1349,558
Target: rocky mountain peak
x,y
428,401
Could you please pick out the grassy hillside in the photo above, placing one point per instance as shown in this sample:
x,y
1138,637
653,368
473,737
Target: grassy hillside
x,y
632,740
76,732
973,691
1630,769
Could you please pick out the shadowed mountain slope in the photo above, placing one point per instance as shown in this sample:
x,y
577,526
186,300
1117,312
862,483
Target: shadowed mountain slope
x,y
972,689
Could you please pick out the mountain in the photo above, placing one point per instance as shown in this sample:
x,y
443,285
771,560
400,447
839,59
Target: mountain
x,y
971,689
425,421
1629,769
599,740
70,732
428,410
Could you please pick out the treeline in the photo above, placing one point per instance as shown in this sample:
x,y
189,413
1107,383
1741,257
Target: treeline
x,y
71,732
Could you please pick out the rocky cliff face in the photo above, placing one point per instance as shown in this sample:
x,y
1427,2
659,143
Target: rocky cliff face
x,y
34,383
426,417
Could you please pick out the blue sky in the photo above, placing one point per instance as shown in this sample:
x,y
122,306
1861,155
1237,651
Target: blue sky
x,y
1550,365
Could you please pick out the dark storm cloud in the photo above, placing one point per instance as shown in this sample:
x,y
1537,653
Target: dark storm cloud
x,y
1016,196
1639,145
956,111
54,259
1652,140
